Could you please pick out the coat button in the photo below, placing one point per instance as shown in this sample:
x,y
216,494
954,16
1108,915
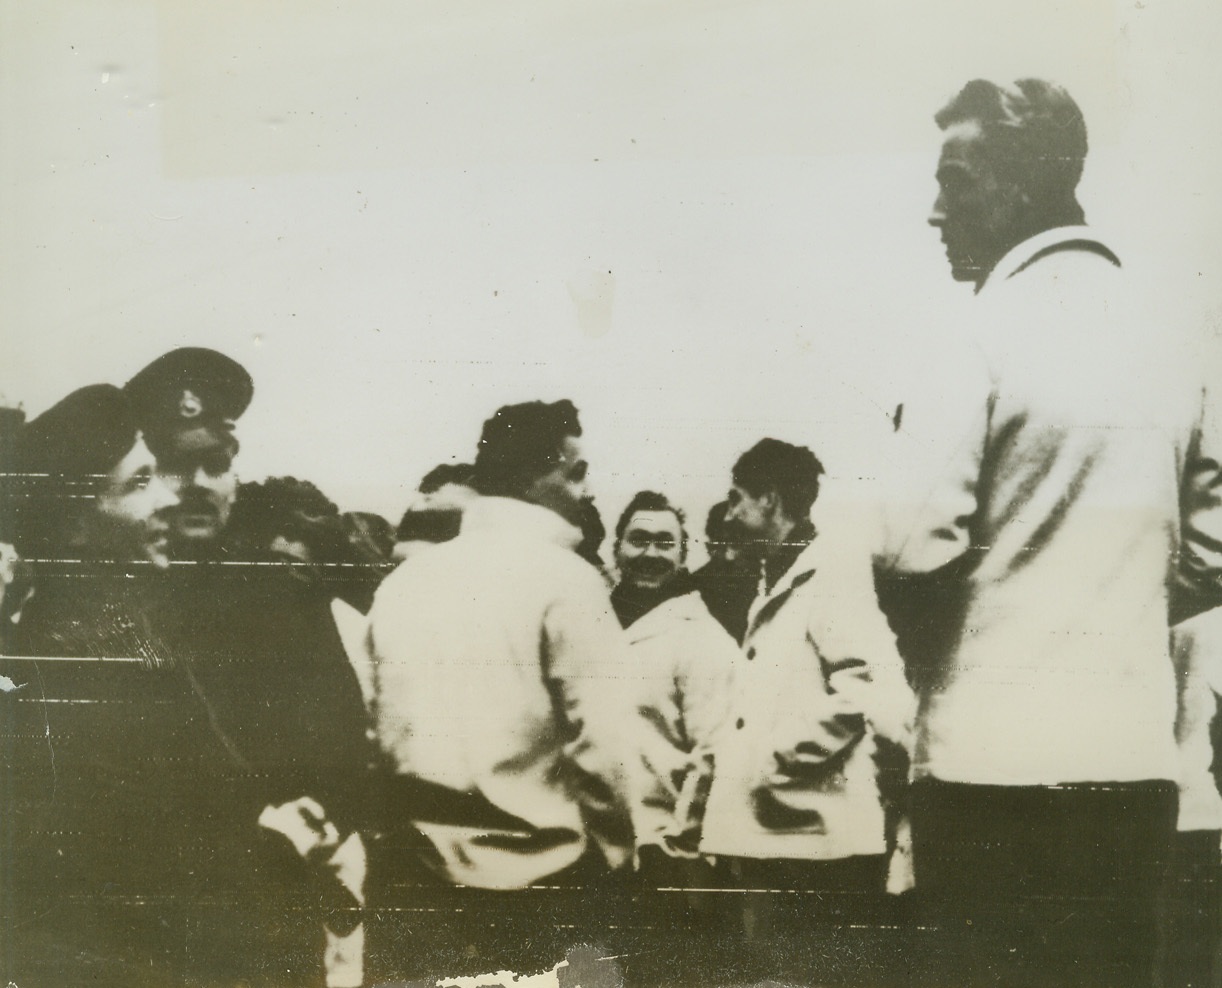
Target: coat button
x,y
751,652
740,723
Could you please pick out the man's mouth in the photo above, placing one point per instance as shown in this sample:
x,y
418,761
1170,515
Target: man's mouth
x,y
650,571
196,514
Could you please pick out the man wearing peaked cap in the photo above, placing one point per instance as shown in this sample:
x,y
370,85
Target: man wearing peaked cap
x,y
87,480
187,402
88,514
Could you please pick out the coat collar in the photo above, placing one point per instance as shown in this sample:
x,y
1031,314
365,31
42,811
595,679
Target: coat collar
x,y
1021,254
800,572
684,607
509,515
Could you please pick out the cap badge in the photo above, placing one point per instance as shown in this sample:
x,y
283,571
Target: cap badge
x,y
189,405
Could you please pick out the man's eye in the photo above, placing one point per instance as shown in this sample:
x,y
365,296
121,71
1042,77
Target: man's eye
x,y
952,181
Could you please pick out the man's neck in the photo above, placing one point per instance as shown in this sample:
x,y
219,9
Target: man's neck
x,y
780,537
1032,227
785,549
632,603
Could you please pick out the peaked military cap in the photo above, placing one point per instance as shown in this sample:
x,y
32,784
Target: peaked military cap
x,y
88,432
188,390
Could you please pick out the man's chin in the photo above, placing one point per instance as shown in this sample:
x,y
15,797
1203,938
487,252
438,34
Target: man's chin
x,y
157,558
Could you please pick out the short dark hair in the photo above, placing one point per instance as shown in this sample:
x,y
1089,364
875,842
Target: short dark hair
x,y
370,536
285,506
429,525
715,528
792,472
593,531
651,501
1036,134
443,474
521,443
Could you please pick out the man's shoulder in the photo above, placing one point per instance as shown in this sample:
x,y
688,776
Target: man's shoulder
x,y
1071,261
493,558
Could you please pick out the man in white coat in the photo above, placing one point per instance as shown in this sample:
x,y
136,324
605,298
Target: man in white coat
x,y
681,678
816,736
1080,510
679,692
496,660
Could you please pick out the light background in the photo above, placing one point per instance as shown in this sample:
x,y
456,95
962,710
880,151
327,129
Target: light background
x,y
704,222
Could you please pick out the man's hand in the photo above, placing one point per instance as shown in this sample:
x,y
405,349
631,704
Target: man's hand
x,y
809,759
304,823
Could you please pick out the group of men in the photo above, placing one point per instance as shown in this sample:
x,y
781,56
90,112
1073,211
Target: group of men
x,y
980,708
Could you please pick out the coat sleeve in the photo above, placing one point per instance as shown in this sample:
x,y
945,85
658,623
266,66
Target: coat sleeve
x,y
930,483
857,650
586,660
707,683
1196,583
706,687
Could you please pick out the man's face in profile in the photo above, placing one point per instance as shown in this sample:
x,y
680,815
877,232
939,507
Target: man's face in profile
x,y
750,518
131,509
198,467
563,489
976,210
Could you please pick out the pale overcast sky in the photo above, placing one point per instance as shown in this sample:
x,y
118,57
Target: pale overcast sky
x,y
703,221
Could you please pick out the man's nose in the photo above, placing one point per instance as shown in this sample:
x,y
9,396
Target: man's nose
x,y
173,482
165,495
938,216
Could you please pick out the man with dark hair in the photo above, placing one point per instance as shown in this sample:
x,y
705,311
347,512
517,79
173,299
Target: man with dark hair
x,y
819,701
288,521
680,680
680,691
1010,166
774,487
531,452
727,582
187,402
446,475
84,836
649,562
497,664
1077,513
435,513
264,664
